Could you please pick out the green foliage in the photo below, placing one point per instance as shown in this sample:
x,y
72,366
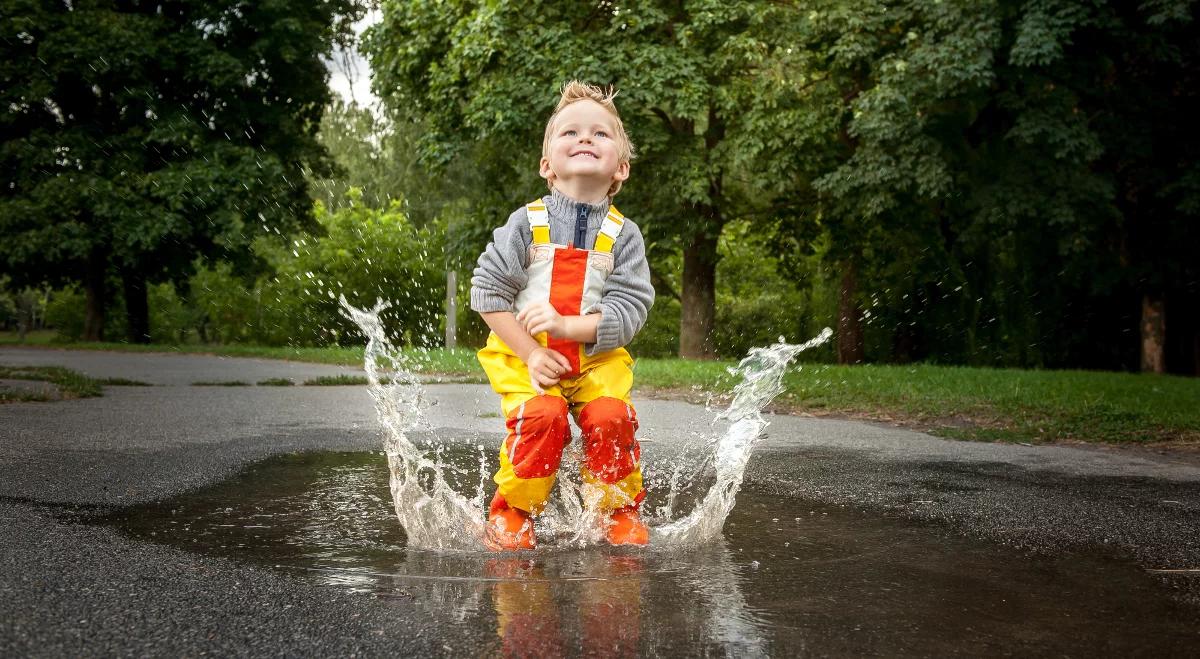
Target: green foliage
x,y
65,313
994,172
483,79
361,253
9,304
1007,179
755,304
171,319
659,337
227,308
379,158
139,137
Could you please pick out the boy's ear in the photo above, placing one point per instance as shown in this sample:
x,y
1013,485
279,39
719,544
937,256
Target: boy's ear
x,y
544,170
622,172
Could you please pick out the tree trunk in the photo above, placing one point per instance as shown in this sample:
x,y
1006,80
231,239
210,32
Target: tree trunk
x,y
96,290
698,301
849,332
137,306
1154,333
25,304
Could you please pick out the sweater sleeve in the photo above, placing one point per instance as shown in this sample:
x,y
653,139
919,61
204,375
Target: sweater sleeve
x,y
500,273
628,293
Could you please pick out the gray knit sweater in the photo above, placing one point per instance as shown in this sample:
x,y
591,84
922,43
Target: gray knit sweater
x,y
628,294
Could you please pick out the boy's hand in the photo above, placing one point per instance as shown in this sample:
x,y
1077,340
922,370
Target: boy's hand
x,y
546,367
542,317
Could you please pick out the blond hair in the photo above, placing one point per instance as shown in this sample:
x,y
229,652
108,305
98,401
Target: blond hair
x,y
575,91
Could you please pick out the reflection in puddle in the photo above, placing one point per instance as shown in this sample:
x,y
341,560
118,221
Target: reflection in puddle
x,y
788,576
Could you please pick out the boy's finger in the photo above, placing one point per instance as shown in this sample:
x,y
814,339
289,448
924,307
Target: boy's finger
x,y
561,359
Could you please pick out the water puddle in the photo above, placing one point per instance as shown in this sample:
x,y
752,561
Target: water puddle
x,y
785,575
769,575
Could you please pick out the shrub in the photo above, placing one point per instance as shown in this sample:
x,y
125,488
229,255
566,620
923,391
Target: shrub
x,y
66,312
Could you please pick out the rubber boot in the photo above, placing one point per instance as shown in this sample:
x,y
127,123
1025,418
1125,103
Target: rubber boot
x,y
508,528
627,528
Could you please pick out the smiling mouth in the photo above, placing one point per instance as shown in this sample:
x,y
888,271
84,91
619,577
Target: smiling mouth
x,y
586,153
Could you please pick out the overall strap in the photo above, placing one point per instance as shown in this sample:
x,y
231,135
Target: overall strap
x,y
539,222
609,230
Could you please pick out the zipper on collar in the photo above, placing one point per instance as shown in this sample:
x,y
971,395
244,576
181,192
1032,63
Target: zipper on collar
x,y
581,215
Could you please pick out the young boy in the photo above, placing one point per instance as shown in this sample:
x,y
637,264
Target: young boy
x,y
563,285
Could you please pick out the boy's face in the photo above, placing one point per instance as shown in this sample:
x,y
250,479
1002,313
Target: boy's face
x,y
583,146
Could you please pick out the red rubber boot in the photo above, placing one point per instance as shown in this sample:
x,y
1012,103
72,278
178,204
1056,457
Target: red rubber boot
x,y
627,528
508,529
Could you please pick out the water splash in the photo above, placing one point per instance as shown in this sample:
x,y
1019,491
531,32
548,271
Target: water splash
x,y
436,516
762,374
433,514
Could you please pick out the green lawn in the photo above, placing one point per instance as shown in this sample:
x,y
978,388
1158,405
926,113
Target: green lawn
x,y
960,402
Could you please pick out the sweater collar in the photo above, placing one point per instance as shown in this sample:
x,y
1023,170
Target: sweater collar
x,y
560,205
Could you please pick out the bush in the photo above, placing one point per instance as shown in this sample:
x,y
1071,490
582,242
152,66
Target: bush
x,y
66,312
8,310
224,304
170,318
756,304
660,335
362,253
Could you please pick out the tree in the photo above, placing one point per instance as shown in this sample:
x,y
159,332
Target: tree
x,y
974,167
484,77
140,136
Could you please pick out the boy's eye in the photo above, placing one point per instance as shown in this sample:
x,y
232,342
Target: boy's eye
x,y
601,133
569,132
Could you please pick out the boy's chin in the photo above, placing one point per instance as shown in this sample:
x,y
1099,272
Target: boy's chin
x,y
594,176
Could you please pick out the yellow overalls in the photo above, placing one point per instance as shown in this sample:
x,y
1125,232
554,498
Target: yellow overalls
x,y
596,390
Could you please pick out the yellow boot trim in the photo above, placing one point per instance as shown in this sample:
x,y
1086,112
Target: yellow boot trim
x,y
528,494
619,494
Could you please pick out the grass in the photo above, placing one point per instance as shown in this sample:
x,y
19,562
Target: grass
x,y
457,362
69,384
123,382
336,381
276,382
986,404
221,383
1015,405
1006,404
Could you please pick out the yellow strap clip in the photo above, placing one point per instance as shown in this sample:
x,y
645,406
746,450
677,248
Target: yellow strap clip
x,y
539,222
609,230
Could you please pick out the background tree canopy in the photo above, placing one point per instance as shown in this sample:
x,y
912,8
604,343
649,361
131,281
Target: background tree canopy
x,y
996,182
140,136
983,182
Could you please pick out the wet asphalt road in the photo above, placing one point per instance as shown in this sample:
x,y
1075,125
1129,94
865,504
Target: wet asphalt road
x,y
68,587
